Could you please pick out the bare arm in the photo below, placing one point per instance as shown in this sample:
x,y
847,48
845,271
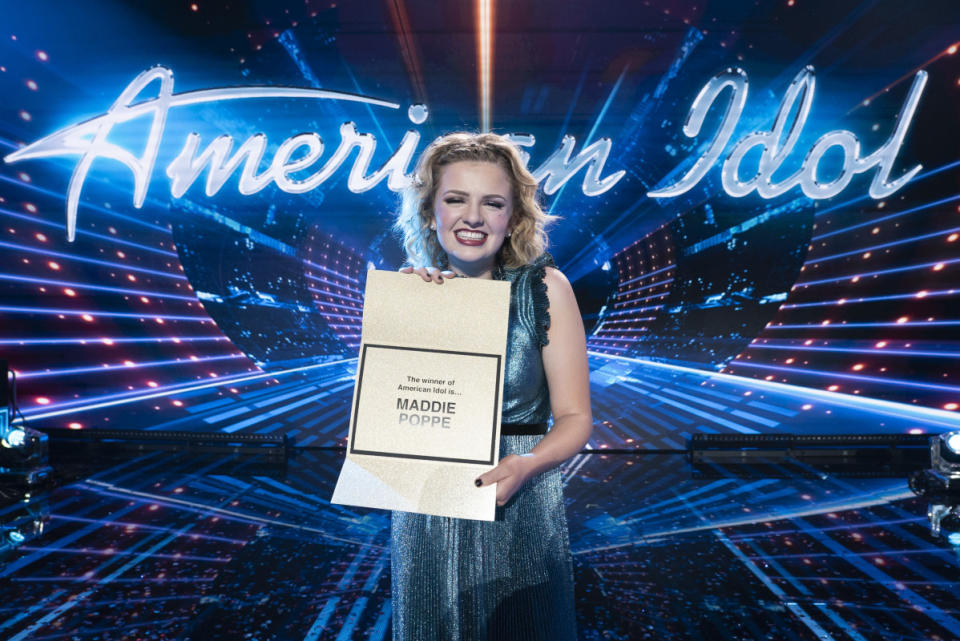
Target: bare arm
x,y
565,365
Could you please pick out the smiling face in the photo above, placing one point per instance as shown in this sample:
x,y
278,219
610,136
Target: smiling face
x,y
472,208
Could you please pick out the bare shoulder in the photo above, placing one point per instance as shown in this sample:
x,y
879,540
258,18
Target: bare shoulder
x,y
559,291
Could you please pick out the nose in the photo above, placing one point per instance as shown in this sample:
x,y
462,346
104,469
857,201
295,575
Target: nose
x,y
473,217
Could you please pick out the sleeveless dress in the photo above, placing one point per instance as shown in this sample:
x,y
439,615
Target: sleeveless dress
x,y
507,579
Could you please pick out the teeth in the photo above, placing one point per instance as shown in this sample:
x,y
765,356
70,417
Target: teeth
x,y
471,235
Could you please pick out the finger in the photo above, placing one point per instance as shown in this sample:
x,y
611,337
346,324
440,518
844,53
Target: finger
x,y
435,275
448,273
424,274
406,270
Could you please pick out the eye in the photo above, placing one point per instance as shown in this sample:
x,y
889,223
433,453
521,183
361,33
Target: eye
x,y
495,203
453,200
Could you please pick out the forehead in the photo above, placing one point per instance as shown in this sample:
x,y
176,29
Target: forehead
x,y
475,176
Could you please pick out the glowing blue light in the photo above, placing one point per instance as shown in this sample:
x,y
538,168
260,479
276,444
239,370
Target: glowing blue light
x,y
418,113
16,537
897,214
96,313
869,299
102,288
881,406
898,382
879,272
16,437
872,350
646,275
773,152
110,239
88,140
110,368
954,538
111,400
886,245
953,442
92,261
606,266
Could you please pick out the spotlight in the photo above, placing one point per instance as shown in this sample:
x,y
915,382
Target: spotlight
x,y
23,451
10,435
941,485
945,459
13,437
944,520
21,522
952,440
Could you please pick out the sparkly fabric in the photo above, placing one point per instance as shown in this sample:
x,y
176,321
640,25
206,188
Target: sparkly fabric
x,y
507,579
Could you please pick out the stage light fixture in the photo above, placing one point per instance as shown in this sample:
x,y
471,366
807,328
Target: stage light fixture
x,y
10,435
941,485
23,451
952,442
945,458
13,437
21,522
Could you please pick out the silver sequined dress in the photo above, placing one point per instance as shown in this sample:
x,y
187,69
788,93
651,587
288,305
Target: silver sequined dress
x,y
510,579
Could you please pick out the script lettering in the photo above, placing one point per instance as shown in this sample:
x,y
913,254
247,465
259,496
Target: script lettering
x,y
773,152
89,141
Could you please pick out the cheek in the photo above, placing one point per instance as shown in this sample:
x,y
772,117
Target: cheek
x,y
441,216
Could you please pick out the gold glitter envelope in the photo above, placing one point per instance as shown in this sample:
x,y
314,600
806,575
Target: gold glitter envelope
x,y
425,420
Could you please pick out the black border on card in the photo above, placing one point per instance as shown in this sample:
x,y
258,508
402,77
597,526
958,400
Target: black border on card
x,y
356,405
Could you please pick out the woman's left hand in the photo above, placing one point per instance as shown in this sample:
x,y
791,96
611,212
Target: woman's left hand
x,y
509,475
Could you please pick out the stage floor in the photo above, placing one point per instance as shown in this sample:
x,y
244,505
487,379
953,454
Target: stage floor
x,y
176,546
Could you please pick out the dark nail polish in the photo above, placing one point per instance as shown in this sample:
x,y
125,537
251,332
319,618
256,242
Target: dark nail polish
x,y
478,482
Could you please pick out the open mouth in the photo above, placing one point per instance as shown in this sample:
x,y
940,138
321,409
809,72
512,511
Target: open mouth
x,y
470,237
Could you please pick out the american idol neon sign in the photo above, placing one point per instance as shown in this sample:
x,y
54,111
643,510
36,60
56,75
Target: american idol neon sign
x,y
89,141
773,153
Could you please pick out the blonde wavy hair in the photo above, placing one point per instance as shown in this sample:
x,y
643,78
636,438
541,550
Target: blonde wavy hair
x,y
528,223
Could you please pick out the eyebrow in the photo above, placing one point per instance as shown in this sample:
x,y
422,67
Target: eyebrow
x,y
459,192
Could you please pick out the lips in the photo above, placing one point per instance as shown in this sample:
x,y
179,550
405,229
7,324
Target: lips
x,y
470,237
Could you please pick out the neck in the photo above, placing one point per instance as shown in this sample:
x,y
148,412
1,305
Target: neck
x,y
474,271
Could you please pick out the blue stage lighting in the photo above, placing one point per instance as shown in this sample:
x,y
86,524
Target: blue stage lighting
x,y
952,441
945,455
13,437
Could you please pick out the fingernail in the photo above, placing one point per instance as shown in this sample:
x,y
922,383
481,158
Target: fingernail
x,y
478,482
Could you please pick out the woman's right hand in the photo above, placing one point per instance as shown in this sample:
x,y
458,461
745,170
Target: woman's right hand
x,y
429,273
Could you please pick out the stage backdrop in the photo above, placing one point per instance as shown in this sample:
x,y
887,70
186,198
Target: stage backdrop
x,y
759,203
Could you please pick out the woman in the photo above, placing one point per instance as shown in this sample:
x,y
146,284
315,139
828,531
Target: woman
x,y
472,211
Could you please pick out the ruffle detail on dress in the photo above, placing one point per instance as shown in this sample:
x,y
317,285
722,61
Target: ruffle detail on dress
x,y
541,303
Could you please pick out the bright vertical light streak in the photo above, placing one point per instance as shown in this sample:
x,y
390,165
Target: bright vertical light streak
x,y
485,42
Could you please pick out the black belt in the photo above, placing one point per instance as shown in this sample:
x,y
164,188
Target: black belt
x,y
523,429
